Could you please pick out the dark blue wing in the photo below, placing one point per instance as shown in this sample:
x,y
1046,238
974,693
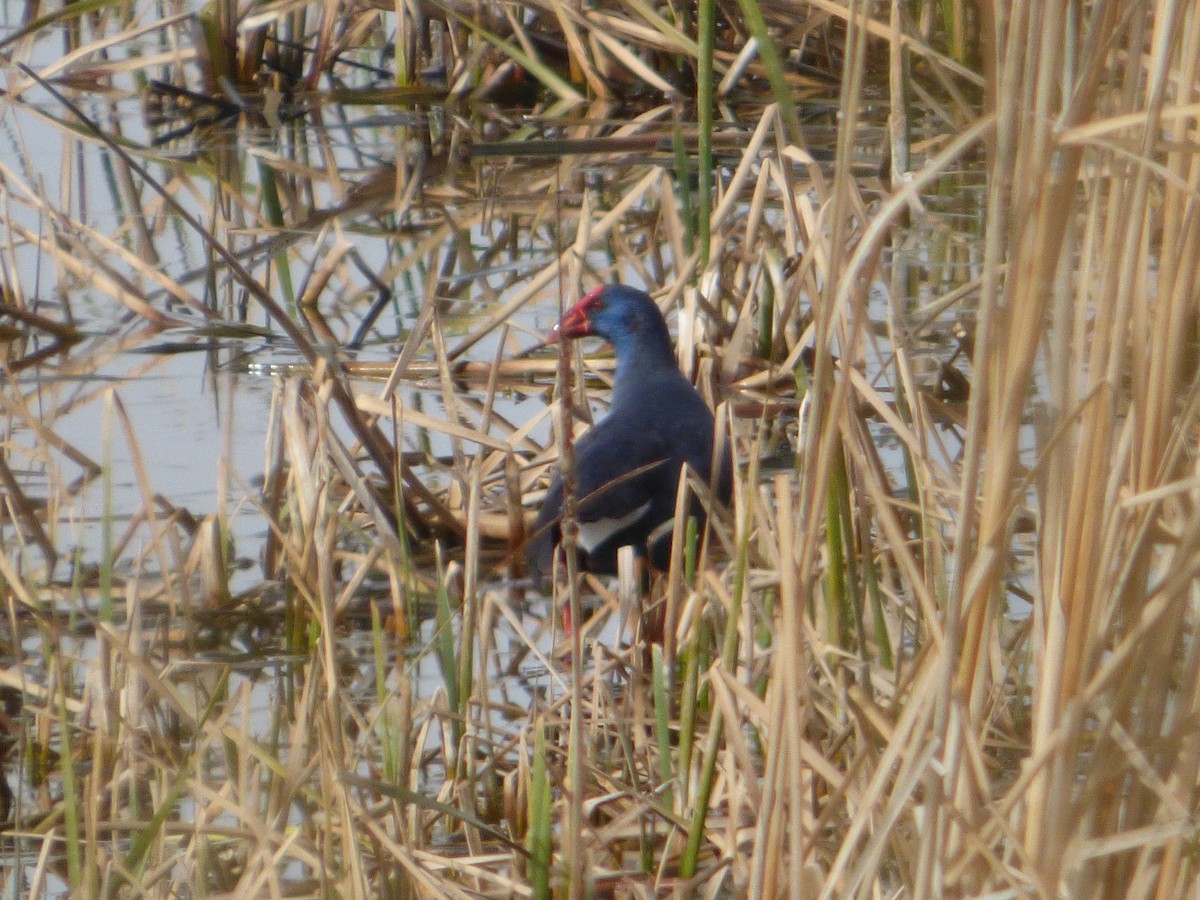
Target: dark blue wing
x,y
627,474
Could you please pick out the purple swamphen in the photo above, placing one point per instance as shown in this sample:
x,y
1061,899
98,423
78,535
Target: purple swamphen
x,y
627,467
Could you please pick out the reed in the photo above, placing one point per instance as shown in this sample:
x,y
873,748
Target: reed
x,y
937,427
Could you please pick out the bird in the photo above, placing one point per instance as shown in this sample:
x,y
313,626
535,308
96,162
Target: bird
x,y
627,467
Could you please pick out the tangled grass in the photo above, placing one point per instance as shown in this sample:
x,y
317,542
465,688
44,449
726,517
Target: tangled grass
x,y
844,701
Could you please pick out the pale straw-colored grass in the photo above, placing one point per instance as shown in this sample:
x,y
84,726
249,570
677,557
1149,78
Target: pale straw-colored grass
x,y
843,703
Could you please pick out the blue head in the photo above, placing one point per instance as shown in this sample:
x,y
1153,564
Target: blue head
x,y
625,317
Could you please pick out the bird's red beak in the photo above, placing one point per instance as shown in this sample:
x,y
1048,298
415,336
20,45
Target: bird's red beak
x,y
575,322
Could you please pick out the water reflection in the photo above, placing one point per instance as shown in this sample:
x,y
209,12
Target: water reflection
x,y
208,491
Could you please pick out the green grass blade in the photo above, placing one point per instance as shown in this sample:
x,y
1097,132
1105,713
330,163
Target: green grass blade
x,y
540,839
773,63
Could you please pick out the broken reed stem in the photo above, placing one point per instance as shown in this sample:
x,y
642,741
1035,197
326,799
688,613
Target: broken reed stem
x,y
965,753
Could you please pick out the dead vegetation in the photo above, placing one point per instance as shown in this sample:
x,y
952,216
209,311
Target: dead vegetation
x,y
938,274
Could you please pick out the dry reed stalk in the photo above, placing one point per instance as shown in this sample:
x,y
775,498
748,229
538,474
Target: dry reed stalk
x,y
849,12
170,563
1082,609
867,775
552,272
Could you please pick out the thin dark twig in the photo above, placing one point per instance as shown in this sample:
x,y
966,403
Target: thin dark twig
x,y
381,451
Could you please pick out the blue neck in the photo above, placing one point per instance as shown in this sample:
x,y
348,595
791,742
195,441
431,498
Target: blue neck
x,y
643,349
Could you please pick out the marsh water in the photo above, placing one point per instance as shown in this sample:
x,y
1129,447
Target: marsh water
x,y
198,396
147,387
